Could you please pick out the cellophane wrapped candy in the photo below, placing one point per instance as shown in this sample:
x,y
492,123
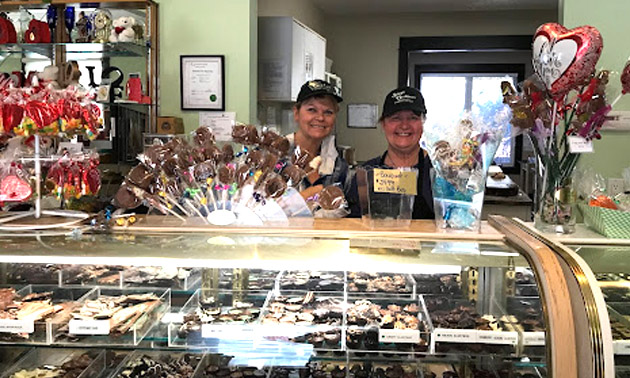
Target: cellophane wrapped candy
x,y
461,151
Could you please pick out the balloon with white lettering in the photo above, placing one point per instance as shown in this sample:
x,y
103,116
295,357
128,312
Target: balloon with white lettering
x,y
565,58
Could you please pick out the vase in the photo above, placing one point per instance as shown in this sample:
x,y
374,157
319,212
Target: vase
x,y
556,205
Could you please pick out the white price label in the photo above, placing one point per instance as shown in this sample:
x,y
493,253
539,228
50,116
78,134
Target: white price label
x,y
221,331
399,336
621,346
173,317
89,327
455,335
497,337
579,145
533,338
16,326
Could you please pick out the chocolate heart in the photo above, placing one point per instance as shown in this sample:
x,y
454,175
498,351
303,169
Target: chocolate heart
x,y
563,58
13,188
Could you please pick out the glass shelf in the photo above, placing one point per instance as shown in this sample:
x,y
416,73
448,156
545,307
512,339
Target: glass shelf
x,y
120,49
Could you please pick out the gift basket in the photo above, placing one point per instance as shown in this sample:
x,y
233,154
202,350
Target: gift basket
x,y
461,151
203,182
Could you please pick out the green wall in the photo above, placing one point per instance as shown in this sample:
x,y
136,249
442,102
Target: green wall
x,y
209,27
611,152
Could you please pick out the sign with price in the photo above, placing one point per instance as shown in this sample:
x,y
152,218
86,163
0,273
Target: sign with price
x,y
89,327
395,181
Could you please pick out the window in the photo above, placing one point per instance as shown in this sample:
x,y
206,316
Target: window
x,y
449,89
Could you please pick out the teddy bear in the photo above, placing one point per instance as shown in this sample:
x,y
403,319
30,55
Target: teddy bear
x,y
122,30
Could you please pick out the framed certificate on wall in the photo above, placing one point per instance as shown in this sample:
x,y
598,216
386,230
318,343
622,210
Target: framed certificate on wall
x,y
202,82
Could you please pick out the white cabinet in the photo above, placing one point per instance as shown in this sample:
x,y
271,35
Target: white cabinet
x,y
289,54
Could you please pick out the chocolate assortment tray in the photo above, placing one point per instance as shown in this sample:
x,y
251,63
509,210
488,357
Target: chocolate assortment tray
x,y
620,327
217,366
58,362
211,317
143,363
526,315
92,275
387,325
364,284
24,314
458,326
161,276
439,284
312,281
112,316
257,279
43,274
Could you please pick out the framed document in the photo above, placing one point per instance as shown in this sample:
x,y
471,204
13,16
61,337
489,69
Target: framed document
x,y
363,116
202,82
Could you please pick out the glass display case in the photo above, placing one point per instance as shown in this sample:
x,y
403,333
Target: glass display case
x,y
333,300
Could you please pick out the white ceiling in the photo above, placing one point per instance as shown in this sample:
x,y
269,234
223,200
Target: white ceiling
x,y
345,7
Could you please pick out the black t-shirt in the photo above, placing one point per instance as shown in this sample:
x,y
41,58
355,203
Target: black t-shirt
x,y
423,203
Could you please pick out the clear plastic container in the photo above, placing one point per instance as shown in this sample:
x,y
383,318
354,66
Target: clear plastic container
x,y
211,364
154,276
212,318
91,275
376,284
387,324
182,363
46,358
125,327
34,327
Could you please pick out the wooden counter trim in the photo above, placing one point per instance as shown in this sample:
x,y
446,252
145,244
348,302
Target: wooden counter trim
x,y
562,359
331,228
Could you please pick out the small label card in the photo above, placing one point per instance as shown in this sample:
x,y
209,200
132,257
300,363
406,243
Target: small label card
x,y
410,336
455,335
579,145
621,346
221,331
16,326
173,317
497,337
395,181
89,327
533,338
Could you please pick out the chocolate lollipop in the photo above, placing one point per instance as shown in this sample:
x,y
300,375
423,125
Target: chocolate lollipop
x,y
245,134
301,158
203,135
203,170
140,176
270,161
242,174
226,174
331,198
156,154
281,146
275,187
125,198
228,153
255,158
293,175
213,153
267,137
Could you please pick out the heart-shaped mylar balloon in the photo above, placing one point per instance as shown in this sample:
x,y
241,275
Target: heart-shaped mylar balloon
x,y
11,116
13,188
563,58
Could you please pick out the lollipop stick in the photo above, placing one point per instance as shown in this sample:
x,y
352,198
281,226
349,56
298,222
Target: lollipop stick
x,y
612,104
224,198
196,210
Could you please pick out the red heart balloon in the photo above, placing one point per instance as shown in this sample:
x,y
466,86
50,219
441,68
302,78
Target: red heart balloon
x,y
41,113
563,58
13,188
11,117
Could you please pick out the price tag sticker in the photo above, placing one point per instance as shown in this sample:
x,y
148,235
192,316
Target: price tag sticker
x,y
89,327
16,326
497,337
408,336
579,145
173,317
533,338
621,347
455,335
395,181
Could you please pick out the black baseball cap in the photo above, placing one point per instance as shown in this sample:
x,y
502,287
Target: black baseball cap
x,y
317,88
404,98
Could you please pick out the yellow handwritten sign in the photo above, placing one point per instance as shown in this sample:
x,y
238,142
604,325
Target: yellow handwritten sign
x,y
395,181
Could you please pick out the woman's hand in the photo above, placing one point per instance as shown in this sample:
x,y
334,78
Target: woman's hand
x,y
312,191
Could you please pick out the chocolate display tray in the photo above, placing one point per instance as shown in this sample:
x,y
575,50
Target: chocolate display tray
x,y
74,275
224,361
409,289
97,332
190,282
258,279
377,339
37,332
437,284
333,282
163,356
620,346
212,334
40,357
41,274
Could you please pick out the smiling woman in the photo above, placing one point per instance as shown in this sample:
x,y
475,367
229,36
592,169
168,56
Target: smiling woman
x,y
315,113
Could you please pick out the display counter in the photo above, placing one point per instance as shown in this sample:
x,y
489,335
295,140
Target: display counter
x,y
332,298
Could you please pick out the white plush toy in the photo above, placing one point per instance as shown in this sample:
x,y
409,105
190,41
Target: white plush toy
x,y
49,77
122,30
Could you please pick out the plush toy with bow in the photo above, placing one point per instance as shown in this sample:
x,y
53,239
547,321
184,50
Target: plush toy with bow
x,y
122,30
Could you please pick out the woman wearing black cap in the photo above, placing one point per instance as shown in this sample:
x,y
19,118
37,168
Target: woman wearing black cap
x,y
402,120
315,113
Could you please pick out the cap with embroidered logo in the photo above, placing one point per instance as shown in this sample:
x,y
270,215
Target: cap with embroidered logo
x,y
404,98
317,88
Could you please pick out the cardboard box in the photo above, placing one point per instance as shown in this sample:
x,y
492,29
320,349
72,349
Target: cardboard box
x,y
170,125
